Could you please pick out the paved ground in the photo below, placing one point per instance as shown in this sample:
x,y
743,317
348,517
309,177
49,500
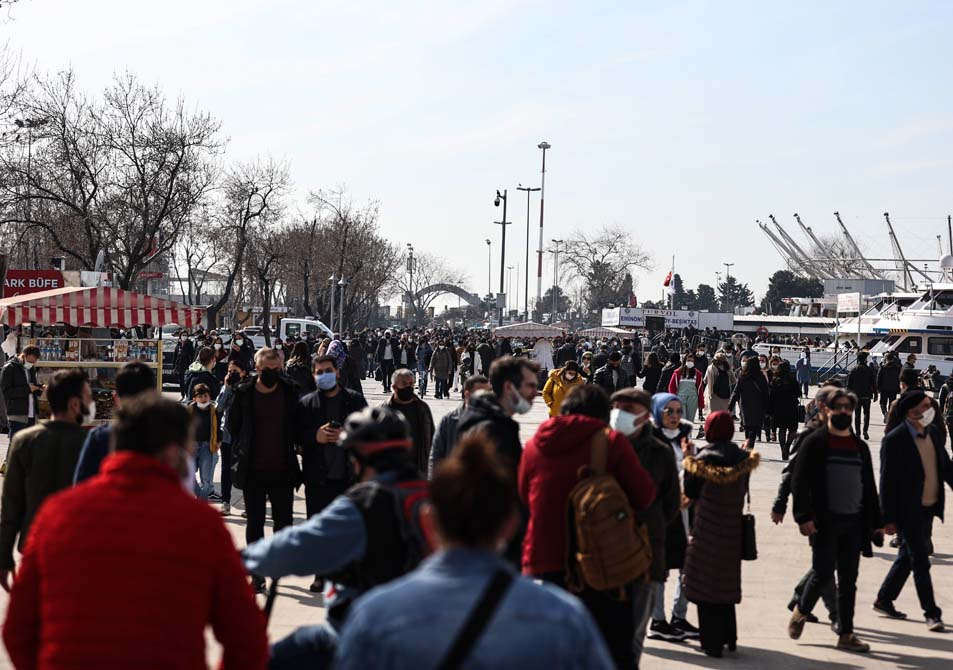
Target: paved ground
x,y
767,583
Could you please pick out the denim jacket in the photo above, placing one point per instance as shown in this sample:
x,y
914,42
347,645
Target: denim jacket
x,y
411,622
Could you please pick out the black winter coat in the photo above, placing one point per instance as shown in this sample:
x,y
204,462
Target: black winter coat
x,y
784,396
183,356
652,375
603,378
657,457
203,376
665,377
320,462
394,345
753,396
888,379
241,428
300,374
15,383
901,475
485,413
862,380
809,485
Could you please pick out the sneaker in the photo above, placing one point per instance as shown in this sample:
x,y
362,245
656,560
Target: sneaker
x,y
895,542
796,624
686,628
850,642
258,584
866,436
935,625
214,496
887,609
317,586
662,630
226,509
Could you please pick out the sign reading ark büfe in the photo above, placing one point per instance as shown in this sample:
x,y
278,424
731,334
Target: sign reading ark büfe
x,y
21,282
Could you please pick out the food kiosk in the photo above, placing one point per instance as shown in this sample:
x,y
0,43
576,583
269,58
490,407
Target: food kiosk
x,y
74,328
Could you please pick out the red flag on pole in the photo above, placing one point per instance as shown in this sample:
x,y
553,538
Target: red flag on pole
x,y
668,279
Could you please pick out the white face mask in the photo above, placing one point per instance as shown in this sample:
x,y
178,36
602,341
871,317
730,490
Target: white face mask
x,y
626,423
570,376
202,405
521,405
239,342
700,353
689,364
670,433
217,346
90,412
27,365
927,417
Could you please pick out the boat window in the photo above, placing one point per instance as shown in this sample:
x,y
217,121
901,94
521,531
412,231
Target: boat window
x,y
911,345
940,346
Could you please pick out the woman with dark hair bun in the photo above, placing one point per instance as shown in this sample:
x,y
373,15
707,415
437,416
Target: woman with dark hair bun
x,y
472,516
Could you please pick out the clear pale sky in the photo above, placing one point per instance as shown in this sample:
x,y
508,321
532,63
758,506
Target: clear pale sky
x,y
684,122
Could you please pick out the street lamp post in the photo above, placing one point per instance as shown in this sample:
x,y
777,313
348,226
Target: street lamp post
x,y
410,284
489,267
504,223
526,278
544,145
509,285
343,284
333,281
727,283
556,244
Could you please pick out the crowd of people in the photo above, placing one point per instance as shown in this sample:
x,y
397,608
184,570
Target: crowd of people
x,y
457,516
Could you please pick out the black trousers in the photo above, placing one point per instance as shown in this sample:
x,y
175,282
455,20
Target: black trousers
x,y
828,594
785,439
319,494
863,405
886,399
913,556
836,548
387,369
717,626
226,452
260,489
614,617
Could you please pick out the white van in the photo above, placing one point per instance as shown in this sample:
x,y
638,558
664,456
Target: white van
x,y
302,328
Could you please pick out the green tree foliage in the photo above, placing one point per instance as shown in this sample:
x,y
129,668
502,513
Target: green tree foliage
x,y
786,284
735,294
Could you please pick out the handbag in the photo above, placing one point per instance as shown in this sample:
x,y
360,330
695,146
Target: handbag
x,y
801,413
749,542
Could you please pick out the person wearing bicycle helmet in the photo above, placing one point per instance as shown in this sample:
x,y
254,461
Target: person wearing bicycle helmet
x,y
367,536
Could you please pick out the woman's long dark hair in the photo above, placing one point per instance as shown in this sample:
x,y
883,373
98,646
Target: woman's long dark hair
x,y
783,374
751,369
300,355
652,361
684,370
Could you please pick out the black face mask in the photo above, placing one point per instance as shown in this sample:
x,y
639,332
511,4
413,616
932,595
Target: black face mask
x,y
233,378
841,421
269,377
405,393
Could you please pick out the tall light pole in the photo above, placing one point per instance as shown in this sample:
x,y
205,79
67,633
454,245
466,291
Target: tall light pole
x,y
343,284
544,145
410,284
333,281
727,282
509,286
526,282
504,223
489,267
556,244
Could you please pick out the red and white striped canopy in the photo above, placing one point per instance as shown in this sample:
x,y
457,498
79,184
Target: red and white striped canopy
x,y
98,307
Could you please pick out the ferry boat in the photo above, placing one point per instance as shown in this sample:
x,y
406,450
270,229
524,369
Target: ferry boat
x,y
924,328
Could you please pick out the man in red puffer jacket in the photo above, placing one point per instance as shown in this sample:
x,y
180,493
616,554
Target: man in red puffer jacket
x,y
127,569
549,469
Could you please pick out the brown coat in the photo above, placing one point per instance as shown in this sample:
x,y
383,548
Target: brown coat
x,y
717,480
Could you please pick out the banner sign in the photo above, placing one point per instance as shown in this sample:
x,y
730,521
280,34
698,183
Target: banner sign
x,y
21,282
634,317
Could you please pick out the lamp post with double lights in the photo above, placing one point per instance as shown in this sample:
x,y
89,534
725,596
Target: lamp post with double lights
x,y
526,272
501,197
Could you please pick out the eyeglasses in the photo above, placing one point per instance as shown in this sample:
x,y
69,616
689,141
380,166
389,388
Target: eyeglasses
x,y
672,410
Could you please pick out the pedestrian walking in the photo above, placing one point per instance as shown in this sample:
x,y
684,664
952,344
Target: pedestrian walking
x,y
206,421
298,368
547,474
404,401
719,380
200,372
665,378
687,384
888,381
862,382
752,394
21,392
652,372
264,463
387,351
610,376
236,375
445,437
716,479
560,382
914,465
423,354
802,371
441,367
835,500
183,357
784,399
42,461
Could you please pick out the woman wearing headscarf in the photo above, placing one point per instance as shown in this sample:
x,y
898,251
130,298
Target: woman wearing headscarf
x,y
717,481
673,430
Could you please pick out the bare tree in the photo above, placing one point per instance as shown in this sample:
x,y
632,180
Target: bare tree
x,y
121,175
267,251
251,195
601,260
429,269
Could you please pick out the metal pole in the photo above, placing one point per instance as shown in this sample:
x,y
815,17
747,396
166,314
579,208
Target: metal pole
x,y
343,285
526,278
555,288
332,279
503,224
542,205
489,267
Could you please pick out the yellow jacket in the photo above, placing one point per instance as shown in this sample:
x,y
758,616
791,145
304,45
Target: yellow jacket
x,y
556,389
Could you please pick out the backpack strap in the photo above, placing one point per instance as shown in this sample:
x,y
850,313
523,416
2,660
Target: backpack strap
x,y
477,621
599,444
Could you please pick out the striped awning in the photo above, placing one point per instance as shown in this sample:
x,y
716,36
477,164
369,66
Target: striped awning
x,y
99,307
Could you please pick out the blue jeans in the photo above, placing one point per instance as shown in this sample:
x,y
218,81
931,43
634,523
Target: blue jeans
x,y
422,381
308,647
205,462
643,594
679,602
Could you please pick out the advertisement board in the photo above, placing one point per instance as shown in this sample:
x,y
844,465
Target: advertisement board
x,y
21,282
638,317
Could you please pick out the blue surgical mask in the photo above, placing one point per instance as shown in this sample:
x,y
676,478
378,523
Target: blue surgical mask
x,y
326,380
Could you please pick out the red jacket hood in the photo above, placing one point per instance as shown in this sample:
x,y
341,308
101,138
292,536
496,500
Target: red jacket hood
x,y
564,433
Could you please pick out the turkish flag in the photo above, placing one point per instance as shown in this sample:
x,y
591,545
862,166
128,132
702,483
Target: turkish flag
x,y
668,279
633,301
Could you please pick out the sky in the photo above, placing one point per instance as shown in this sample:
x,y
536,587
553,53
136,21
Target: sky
x,y
682,122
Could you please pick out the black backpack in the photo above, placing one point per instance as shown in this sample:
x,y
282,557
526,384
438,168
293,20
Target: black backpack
x,y
722,387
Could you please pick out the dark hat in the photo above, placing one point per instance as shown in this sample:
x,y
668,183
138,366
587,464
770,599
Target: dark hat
x,y
719,427
633,394
909,400
910,377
